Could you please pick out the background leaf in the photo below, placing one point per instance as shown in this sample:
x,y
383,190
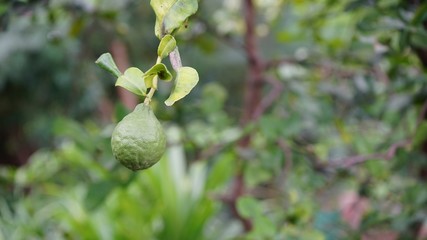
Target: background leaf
x,y
421,134
248,207
98,192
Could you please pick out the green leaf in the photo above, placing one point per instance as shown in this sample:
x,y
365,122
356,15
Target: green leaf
x,y
3,8
106,62
98,193
170,14
248,207
166,46
186,79
418,38
133,80
420,135
264,228
420,14
159,70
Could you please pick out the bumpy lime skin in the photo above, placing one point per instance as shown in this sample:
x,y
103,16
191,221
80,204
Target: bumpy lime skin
x,y
138,141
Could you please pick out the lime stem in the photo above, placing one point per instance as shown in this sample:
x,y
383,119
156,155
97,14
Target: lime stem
x,y
154,87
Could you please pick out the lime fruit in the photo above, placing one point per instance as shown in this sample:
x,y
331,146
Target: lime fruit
x,y
138,141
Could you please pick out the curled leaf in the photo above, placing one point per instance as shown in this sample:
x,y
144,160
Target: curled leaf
x,y
159,70
133,80
106,62
166,46
186,79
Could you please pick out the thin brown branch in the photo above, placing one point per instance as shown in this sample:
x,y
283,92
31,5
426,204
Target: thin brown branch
x,y
314,160
380,74
358,159
274,63
287,152
270,98
217,148
353,160
266,192
254,81
253,92
237,190
423,114
209,152
327,68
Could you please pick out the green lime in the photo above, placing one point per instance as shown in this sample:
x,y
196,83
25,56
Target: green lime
x,y
138,141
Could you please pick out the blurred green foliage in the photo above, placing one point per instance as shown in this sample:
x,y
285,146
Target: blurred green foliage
x,y
354,85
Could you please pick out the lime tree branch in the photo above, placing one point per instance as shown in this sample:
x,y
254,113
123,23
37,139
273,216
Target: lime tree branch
x,y
276,89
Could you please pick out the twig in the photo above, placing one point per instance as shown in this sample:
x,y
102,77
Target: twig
x,y
327,68
254,81
287,151
387,155
270,98
380,74
209,152
237,190
423,114
277,62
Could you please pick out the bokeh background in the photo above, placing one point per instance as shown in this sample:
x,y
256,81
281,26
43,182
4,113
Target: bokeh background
x,y
309,122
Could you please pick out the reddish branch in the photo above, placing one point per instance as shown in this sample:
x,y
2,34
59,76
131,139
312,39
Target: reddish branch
x,y
253,95
277,62
270,98
387,155
287,152
423,114
254,81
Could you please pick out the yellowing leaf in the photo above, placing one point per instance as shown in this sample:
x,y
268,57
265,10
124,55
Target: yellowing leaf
x,y
186,80
170,14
